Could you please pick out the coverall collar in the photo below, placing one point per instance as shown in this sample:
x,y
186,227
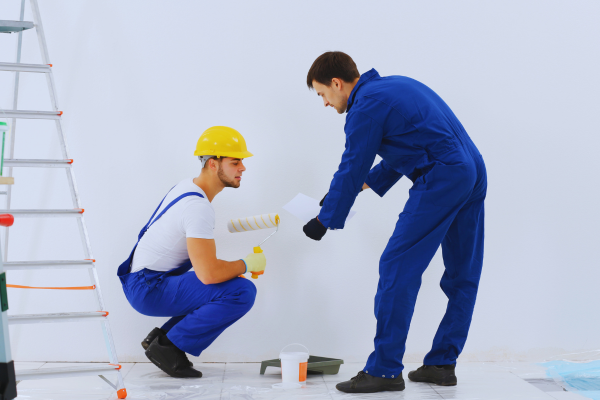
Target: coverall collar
x,y
366,77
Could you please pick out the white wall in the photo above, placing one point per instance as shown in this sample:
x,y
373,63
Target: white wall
x,y
139,81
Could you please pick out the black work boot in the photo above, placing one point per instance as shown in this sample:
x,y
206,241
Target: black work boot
x,y
365,383
156,332
442,375
169,358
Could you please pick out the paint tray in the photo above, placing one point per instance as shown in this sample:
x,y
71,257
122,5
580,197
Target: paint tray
x,y
316,365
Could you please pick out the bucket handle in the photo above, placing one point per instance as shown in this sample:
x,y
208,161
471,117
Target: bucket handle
x,y
296,344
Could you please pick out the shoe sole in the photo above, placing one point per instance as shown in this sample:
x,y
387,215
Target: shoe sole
x,y
391,388
157,363
439,383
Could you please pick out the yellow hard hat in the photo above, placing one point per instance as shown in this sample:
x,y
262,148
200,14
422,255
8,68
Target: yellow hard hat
x,y
222,141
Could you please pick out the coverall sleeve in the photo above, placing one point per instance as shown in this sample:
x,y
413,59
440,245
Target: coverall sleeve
x,y
382,177
363,138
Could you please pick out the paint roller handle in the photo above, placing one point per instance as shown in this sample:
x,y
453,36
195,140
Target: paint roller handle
x,y
255,275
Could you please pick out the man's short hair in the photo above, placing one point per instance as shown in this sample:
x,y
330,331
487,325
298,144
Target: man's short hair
x,y
218,159
333,64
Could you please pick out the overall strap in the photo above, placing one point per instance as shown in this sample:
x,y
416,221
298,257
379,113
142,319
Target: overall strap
x,y
145,228
151,221
125,267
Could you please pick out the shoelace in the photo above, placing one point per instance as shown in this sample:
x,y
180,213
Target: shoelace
x,y
360,376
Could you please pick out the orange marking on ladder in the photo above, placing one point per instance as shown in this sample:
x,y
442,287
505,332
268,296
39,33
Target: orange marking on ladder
x,y
50,65
53,288
71,161
60,113
82,210
118,366
90,259
122,393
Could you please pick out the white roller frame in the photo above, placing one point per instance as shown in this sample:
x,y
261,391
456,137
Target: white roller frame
x,y
55,114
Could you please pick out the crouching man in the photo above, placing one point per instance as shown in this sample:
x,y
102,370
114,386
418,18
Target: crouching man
x,y
179,237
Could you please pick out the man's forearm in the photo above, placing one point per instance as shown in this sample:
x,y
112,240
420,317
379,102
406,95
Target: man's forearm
x,y
223,271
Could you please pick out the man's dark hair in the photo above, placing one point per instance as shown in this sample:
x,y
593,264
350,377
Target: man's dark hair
x,y
333,64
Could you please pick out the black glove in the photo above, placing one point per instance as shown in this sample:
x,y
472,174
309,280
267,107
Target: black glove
x,y
314,229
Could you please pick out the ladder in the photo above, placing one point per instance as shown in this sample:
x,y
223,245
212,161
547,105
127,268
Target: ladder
x,y
76,212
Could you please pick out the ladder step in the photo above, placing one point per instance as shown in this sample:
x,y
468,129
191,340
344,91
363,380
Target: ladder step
x,y
59,317
58,264
43,68
30,114
76,212
38,163
14,26
65,372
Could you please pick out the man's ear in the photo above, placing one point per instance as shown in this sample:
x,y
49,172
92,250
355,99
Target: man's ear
x,y
336,83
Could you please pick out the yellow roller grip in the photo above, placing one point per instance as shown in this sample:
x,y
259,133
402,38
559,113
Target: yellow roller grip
x,y
257,249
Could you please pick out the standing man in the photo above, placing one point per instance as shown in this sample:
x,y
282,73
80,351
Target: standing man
x,y
179,237
417,135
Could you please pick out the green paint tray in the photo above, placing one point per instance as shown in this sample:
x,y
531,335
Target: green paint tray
x,y
316,365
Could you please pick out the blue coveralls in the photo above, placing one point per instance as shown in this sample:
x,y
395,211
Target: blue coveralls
x,y
200,312
417,135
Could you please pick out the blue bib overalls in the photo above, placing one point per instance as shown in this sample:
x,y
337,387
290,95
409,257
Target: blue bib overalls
x,y
200,313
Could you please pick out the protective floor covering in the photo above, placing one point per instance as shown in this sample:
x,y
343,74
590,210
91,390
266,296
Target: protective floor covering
x,y
243,382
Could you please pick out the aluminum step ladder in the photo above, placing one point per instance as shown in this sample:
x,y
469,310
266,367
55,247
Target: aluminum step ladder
x,y
76,212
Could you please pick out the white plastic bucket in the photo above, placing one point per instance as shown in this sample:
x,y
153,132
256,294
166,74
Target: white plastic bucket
x,y
294,365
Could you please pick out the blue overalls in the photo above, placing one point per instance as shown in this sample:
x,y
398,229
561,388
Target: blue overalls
x,y
200,313
417,135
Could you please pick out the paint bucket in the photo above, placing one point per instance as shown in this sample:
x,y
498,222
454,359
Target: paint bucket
x,y
294,367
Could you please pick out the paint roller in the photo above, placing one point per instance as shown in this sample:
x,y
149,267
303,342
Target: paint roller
x,y
255,223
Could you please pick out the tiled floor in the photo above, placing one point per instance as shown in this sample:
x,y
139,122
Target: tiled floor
x,y
243,382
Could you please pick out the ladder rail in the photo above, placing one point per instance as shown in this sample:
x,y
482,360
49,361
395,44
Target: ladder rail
x,y
13,125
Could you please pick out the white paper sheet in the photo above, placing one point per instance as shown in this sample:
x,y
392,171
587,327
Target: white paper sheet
x,y
306,208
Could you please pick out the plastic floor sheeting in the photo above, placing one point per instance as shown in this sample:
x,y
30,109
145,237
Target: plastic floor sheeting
x,y
527,381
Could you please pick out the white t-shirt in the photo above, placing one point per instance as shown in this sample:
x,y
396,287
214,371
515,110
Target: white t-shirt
x,y
163,247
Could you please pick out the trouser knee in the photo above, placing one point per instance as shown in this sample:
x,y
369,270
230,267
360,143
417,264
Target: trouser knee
x,y
246,295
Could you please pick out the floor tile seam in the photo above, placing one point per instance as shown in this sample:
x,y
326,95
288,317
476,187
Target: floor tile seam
x,y
436,392
223,381
328,390
128,372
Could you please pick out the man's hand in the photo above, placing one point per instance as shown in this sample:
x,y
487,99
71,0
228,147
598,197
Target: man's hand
x,y
314,229
255,263
364,186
